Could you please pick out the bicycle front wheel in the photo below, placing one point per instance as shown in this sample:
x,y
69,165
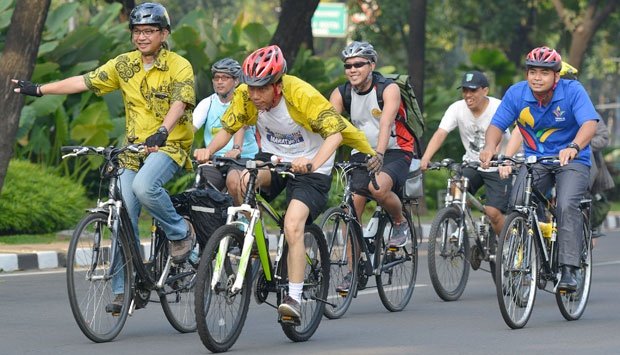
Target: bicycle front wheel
x,y
572,305
397,268
220,312
316,284
342,260
516,271
89,278
447,259
177,294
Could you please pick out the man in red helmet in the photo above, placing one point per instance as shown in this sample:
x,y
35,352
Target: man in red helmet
x,y
297,124
555,117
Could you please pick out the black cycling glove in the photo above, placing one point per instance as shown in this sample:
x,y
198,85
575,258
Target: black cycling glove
x,y
158,139
375,163
29,88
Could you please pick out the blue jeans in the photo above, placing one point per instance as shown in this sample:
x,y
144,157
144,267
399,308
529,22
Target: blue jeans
x,y
145,188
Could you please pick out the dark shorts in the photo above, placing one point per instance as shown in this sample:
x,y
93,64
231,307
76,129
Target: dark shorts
x,y
497,189
311,189
395,163
216,177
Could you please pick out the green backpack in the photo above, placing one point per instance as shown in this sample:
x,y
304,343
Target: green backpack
x,y
413,120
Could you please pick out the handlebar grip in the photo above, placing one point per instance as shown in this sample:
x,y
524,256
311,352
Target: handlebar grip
x,y
69,148
309,167
373,180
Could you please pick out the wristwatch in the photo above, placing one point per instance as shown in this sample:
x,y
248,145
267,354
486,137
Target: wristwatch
x,y
163,130
236,146
574,146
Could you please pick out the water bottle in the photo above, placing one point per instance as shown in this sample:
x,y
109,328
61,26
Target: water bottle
x,y
371,228
194,256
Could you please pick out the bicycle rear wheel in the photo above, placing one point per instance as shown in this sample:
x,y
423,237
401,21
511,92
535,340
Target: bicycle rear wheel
x,y
516,271
398,268
316,284
177,295
221,313
447,261
342,251
89,281
572,305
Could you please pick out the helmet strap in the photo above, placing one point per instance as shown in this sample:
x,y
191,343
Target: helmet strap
x,y
277,95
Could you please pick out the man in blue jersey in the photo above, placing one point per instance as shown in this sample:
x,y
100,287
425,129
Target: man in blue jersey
x,y
555,117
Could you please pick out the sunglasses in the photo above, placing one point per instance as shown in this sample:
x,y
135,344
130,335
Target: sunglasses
x,y
356,65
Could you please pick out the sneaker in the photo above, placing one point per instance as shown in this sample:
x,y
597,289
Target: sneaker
x,y
116,305
400,233
345,285
289,308
180,249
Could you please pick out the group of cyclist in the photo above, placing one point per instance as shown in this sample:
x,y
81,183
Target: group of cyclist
x,y
297,124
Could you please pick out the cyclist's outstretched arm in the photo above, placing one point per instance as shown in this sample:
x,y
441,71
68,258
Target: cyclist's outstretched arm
x,y
492,138
329,146
218,142
71,85
433,146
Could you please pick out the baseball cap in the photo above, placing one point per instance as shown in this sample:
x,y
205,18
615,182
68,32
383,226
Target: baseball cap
x,y
473,80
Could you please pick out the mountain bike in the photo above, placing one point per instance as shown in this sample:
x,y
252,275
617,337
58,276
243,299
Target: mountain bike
x,y
224,283
103,246
527,254
449,250
394,269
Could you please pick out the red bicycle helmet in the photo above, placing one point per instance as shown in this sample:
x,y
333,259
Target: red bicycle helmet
x,y
264,66
544,57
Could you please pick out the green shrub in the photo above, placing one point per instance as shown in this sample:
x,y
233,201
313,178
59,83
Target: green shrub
x,y
36,200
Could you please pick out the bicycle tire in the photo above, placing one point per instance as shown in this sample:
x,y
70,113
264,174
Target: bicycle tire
x,y
220,314
448,269
572,305
177,295
341,249
398,268
316,284
516,271
89,294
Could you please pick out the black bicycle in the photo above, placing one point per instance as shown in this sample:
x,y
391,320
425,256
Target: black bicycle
x,y
394,268
103,247
527,255
449,250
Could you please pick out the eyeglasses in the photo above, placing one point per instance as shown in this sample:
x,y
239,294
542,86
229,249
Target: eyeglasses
x,y
222,78
148,32
356,65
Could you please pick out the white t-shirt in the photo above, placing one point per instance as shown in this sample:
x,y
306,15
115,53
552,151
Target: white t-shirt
x,y
282,136
366,114
472,129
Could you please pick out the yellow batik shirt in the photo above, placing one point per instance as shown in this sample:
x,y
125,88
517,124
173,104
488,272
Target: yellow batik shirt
x,y
306,106
147,96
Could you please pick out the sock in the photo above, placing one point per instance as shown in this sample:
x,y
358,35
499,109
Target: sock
x,y
294,290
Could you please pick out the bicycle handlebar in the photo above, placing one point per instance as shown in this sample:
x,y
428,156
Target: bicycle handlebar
x,y
74,151
347,165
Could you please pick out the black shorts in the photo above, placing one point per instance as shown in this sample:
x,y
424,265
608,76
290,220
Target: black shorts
x,y
311,189
497,189
216,177
395,163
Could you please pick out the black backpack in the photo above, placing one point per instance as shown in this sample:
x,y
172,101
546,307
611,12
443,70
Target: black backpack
x,y
409,113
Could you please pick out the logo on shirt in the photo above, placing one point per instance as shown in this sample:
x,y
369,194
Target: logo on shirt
x,y
559,114
376,113
284,138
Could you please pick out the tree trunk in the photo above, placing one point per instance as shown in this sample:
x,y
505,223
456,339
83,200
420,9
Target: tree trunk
x,y
584,27
295,28
417,43
17,61
128,5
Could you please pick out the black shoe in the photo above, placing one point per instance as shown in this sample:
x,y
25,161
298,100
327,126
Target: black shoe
x,y
568,282
116,305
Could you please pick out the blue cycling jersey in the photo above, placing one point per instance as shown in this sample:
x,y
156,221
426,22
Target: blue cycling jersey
x,y
550,128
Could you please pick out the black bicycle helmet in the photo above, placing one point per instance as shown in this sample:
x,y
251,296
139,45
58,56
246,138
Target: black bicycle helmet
x,y
359,49
227,66
149,13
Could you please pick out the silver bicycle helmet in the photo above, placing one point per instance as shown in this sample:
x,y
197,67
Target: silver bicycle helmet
x,y
149,13
359,49
227,66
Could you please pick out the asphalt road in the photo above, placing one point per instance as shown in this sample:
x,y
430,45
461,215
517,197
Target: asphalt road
x,y
35,319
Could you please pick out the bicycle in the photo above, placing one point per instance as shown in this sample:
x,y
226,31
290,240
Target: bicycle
x,y
528,255
103,246
224,282
449,250
394,269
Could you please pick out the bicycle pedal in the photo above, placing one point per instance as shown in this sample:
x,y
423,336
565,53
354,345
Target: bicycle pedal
x,y
290,320
343,293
